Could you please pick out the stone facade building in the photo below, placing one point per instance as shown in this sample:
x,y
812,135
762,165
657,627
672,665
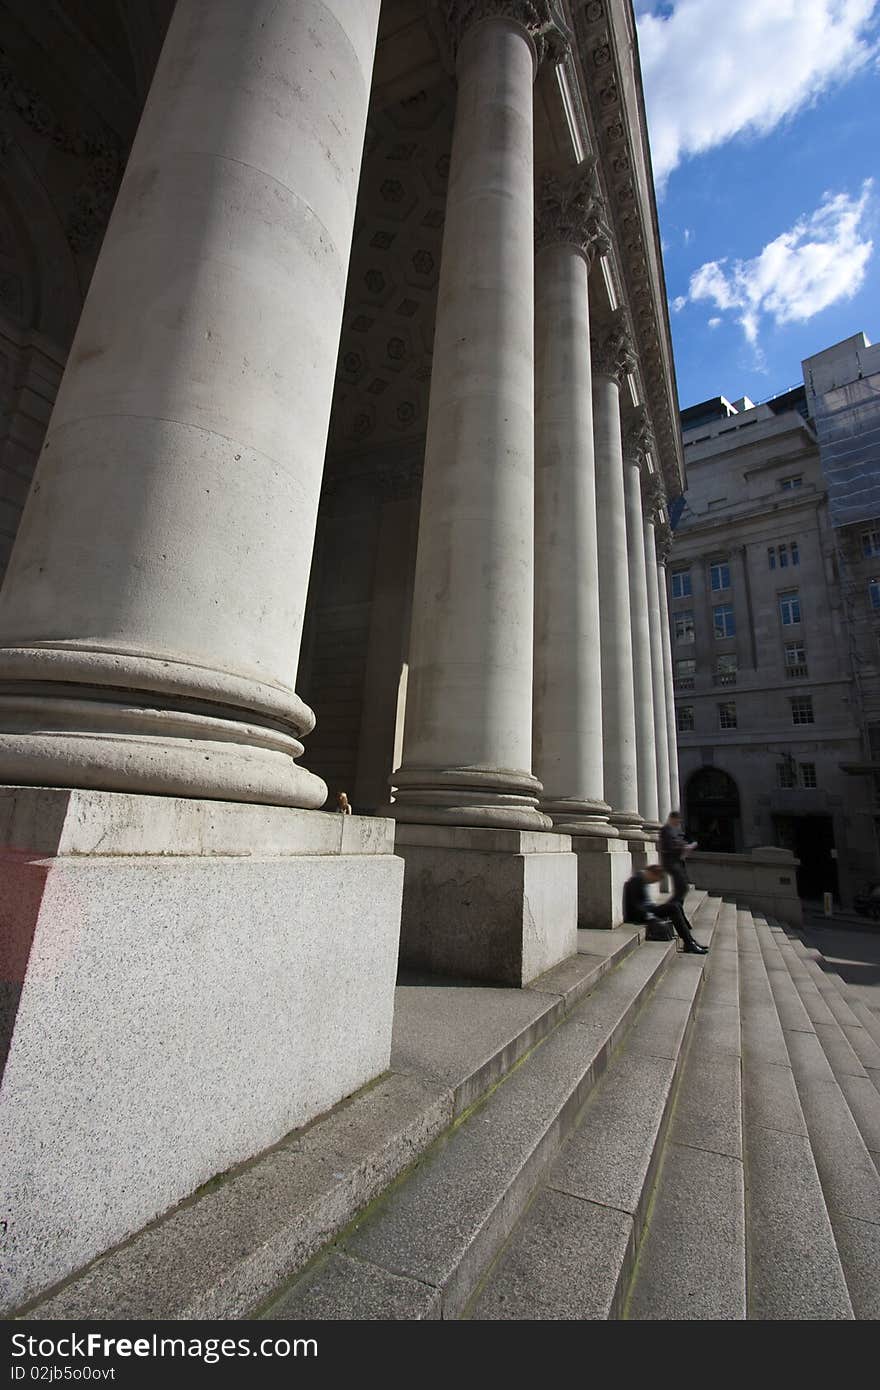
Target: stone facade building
x,y
774,617
368,376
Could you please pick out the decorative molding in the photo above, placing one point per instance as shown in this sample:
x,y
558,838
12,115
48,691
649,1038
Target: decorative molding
x,y
542,19
571,211
595,66
611,349
92,200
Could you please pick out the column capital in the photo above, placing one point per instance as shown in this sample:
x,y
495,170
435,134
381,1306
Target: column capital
x,y
542,20
638,437
611,349
663,539
655,499
570,210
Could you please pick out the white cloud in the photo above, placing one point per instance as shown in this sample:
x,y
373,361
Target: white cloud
x,y
818,262
687,236
714,323
714,69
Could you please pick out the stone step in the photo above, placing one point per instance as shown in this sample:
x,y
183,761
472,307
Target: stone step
x,y
236,1240
834,985
794,1267
846,1045
572,1253
432,1237
850,1181
692,1260
840,1003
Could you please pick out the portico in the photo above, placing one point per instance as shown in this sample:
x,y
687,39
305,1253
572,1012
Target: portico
x,y
355,480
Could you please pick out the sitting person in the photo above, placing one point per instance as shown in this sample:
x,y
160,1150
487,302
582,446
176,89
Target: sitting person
x,y
641,910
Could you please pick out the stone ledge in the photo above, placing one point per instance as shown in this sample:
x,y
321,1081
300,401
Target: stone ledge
x,y
486,840
56,821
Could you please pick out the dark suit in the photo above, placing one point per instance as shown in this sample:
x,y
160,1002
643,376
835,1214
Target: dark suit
x,y
673,843
640,909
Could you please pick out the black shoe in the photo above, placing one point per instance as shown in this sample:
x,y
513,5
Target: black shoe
x,y
696,949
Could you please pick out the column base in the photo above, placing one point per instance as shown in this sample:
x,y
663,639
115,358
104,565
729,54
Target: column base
x,y
483,904
187,982
581,818
603,868
468,797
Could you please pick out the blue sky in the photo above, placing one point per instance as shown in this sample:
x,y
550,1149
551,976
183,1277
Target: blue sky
x,y
765,135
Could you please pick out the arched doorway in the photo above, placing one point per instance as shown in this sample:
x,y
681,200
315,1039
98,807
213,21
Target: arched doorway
x,y
712,811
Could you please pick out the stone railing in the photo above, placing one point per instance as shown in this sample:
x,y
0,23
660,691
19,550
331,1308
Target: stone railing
x,y
762,880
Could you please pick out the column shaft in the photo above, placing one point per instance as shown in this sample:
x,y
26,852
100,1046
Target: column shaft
x,y
643,688
155,597
618,704
658,679
671,729
568,679
467,744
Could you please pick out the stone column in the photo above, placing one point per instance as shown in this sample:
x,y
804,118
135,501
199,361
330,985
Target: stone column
x,y
164,946
568,680
467,753
612,361
664,545
637,445
655,501
151,616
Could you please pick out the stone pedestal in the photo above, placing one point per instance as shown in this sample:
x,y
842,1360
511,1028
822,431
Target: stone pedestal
x,y
184,983
603,866
485,904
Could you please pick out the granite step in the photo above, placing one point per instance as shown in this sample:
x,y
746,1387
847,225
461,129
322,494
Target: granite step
x,y
840,1002
850,1181
692,1259
571,1255
847,1046
794,1266
425,1247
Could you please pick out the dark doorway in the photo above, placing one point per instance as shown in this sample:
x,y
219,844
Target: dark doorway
x,y
712,811
811,839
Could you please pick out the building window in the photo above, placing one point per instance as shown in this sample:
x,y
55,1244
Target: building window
x,y
719,575
681,583
786,774
802,710
790,607
684,718
683,625
771,556
725,670
808,775
795,553
795,659
789,484
727,715
874,592
870,544
782,552
722,620
684,674
874,742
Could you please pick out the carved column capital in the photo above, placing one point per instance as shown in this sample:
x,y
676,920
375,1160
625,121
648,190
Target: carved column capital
x,y
571,211
612,350
542,19
654,494
638,437
663,540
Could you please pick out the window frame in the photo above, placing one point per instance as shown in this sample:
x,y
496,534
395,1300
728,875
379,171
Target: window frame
x,y
727,712
682,616
679,712
785,598
723,568
802,704
686,586
729,629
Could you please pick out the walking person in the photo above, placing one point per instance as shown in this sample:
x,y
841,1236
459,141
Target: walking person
x,y
674,846
640,909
